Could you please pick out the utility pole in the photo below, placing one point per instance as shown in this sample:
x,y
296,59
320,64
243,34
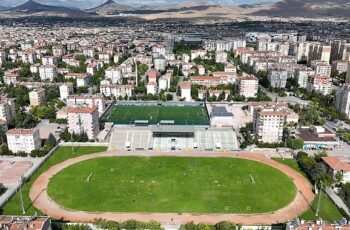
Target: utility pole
x,y
319,199
137,77
71,141
21,195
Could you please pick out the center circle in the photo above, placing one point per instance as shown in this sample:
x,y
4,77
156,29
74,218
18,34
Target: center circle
x,y
171,185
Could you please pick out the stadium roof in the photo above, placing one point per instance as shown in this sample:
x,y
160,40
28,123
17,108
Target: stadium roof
x,y
173,129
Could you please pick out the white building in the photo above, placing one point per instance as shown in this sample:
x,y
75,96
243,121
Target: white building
x,y
185,87
12,76
268,124
342,101
115,74
248,86
7,109
87,100
319,83
66,89
221,57
152,88
302,76
49,60
277,77
23,140
116,90
198,54
164,82
37,97
47,72
83,120
160,64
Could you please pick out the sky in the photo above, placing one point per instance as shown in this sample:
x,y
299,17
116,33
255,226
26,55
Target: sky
x,y
86,4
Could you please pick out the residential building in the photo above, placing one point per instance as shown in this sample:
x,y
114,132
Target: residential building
x,y
25,222
342,101
12,76
66,89
152,88
115,74
248,86
201,69
269,124
160,64
49,60
117,90
319,83
47,72
277,77
322,68
209,80
152,76
87,100
198,54
221,57
29,57
302,76
334,165
23,140
37,97
317,137
185,87
340,66
83,120
7,109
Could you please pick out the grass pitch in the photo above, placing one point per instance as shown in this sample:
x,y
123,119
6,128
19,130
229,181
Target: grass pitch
x,y
172,184
13,206
182,115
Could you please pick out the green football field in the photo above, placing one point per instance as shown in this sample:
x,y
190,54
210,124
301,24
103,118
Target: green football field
x,y
182,115
171,184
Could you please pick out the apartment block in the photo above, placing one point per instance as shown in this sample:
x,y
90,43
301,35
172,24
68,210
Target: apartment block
x,y
83,120
66,89
342,101
23,140
116,90
185,87
87,100
302,76
278,77
248,86
319,83
47,72
37,97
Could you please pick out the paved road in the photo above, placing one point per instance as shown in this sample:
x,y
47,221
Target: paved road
x,y
301,202
288,99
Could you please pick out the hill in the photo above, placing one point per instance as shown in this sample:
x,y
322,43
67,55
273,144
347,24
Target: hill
x,y
112,8
303,8
37,9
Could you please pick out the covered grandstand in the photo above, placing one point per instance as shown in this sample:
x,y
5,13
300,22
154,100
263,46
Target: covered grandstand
x,y
173,138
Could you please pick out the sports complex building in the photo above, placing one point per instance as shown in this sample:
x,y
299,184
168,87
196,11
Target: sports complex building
x,y
166,127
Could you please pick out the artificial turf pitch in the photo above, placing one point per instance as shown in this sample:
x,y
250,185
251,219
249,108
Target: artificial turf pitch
x,y
171,184
181,115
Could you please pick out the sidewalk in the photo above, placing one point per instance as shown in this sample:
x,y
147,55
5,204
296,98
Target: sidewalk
x,y
337,200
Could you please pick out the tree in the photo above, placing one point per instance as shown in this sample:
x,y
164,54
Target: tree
x,y
295,144
2,189
51,140
76,227
225,225
338,177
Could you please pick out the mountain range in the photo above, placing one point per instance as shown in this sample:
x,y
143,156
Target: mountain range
x,y
194,10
